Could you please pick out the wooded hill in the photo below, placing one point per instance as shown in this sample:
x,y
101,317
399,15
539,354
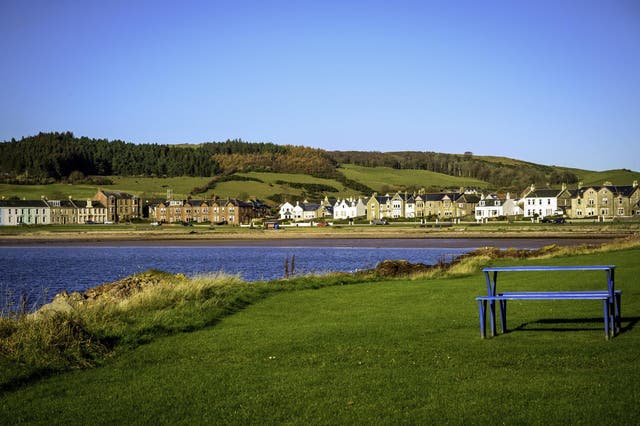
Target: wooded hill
x,y
62,157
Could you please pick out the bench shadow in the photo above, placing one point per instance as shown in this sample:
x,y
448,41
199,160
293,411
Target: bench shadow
x,y
628,323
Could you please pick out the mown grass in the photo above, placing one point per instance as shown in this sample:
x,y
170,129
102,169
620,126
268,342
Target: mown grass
x,y
385,352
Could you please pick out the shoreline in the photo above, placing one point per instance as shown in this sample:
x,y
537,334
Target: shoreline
x,y
132,235
458,241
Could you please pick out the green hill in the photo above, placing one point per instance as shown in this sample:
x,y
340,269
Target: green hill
x,y
58,165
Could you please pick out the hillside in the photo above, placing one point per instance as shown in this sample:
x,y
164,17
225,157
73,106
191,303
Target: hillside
x,y
58,165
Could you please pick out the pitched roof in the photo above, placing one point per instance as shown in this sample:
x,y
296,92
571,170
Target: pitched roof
x,y
118,194
544,193
82,204
23,203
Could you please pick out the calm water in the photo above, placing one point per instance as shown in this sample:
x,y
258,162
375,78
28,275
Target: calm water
x,y
42,272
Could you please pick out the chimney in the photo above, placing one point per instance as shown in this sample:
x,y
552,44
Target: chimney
x,y
89,203
635,183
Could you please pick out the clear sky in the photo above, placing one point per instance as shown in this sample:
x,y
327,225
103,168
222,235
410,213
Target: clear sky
x,y
553,82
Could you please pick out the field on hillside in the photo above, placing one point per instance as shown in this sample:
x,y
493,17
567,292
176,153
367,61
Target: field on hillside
x,y
380,179
143,186
616,177
391,352
383,179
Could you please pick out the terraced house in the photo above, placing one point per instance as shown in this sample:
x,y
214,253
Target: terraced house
x,y
607,201
229,210
379,207
24,212
50,212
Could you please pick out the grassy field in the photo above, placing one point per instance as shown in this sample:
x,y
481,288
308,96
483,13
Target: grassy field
x,y
616,177
387,352
380,178
150,187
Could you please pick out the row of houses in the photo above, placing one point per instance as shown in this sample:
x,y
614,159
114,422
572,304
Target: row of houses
x,y
606,201
104,207
400,205
217,210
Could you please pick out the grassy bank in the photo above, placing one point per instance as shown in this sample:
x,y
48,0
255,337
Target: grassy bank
x,y
386,351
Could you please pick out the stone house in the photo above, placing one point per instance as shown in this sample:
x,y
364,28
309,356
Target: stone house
x,y
63,212
121,206
89,211
379,207
607,201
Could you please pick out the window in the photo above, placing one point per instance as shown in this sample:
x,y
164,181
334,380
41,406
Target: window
x,y
620,212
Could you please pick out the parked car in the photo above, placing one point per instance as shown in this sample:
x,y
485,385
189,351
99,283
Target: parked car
x,y
379,222
155,224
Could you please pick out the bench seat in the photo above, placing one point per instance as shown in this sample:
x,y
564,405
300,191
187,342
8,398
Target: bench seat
x,y
609,306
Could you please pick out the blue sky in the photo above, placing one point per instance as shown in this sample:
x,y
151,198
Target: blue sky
x,y
552,82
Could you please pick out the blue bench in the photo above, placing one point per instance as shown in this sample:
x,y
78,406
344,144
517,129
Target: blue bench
x,y
611,298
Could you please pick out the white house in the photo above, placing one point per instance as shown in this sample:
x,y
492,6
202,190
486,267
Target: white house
x,y
27,212
492,205
286,211
410,207
543,202
297,211
349,208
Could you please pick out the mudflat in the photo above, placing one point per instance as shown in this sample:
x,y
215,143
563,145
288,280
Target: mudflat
x,y
535,235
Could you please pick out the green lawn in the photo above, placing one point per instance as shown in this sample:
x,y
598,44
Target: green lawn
x,y
378,353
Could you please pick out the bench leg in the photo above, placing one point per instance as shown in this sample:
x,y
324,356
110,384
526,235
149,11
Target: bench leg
x,y
617,309
503,315
492,316
607,318
482,310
